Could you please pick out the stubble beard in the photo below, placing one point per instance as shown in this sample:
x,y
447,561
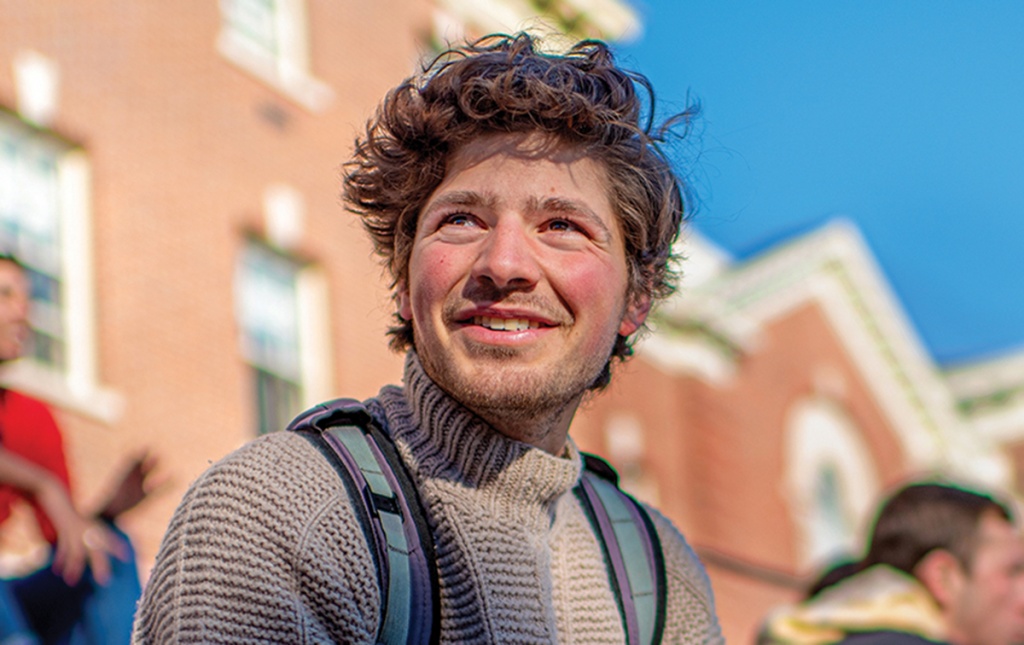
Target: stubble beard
x,y
524,403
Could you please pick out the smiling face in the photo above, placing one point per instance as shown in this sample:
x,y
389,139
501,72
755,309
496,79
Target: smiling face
x,y
986,605
518,283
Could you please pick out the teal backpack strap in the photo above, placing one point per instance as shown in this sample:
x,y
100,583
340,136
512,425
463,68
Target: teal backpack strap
x,y
390,512
632,551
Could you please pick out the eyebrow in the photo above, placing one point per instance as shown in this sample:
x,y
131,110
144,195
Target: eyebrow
x,y
462,198
570,206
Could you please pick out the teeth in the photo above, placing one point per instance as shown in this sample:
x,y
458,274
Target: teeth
x,y
505,324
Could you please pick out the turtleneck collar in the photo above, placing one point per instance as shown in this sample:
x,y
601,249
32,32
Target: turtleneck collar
x,y
447,441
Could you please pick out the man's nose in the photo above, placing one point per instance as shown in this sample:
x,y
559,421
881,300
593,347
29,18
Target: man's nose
x,y
507,257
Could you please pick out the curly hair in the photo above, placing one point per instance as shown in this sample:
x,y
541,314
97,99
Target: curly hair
x,y
506,84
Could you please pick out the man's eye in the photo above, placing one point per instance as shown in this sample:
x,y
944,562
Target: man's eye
x,y
457,219
563,226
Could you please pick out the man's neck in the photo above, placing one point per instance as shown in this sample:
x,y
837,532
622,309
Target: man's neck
x,y
547,430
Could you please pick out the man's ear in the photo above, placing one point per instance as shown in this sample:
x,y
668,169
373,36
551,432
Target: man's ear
x,y
942,575
635,314
404,303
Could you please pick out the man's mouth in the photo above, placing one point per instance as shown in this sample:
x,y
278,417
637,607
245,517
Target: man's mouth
x,y
505,324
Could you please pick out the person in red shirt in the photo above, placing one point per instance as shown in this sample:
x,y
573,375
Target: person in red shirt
x,y
87,593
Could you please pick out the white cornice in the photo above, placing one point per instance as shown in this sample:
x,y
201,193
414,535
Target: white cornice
x,y
982,378
833,268
612,20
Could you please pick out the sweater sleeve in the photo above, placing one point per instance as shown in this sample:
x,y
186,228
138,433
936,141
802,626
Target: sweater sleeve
x,y
690,608
265,547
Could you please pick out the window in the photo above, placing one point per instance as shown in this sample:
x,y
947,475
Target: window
x,y
45,221
254,25
831,480
268,38
30,230
829,528
267,304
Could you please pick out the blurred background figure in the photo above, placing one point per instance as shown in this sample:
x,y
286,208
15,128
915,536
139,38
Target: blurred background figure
x,y
86,591
944,564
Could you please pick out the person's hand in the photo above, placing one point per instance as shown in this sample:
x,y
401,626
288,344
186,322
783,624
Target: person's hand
x,y
133,487
81,541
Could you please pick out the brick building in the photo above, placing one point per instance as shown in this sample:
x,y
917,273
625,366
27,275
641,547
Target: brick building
x,y
170,175
778,399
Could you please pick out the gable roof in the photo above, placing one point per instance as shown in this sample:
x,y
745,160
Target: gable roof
x,y
832,267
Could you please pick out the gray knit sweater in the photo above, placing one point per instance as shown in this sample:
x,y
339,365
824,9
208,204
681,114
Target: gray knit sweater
x,y
266,548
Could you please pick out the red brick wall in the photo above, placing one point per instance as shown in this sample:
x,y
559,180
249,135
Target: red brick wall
x,y
717,453
180,156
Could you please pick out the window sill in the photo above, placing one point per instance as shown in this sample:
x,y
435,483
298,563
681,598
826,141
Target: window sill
x,y
296,84
90,399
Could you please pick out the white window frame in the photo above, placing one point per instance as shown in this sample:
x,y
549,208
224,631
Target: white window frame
x,y
313,377
820,435
288,71
76,386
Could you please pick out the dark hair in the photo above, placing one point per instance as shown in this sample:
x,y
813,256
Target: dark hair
x,y
833,575
505,84
922,517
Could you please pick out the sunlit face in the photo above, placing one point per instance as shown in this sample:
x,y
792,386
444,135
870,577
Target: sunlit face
x,y
518,279
14,298
988,607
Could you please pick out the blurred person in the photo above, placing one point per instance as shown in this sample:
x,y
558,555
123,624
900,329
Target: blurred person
x,y
944,565
526,218
87,591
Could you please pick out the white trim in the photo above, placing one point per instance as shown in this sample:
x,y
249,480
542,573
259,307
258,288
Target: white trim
x,y
702,260
37,87
689,355
289,72
284,215
818,433
1003,421
1001,425
100,403
986,377
76,253
314,336
613,19
489,16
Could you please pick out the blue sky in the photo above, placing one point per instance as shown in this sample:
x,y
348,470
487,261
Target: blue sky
x,y
906,117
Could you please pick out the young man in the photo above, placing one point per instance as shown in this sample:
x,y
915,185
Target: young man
x,y
87,593
526,219
944,565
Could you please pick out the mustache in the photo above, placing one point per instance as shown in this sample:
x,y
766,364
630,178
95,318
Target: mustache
x,y
541,306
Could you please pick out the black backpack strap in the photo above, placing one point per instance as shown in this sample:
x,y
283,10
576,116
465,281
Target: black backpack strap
x,y
390,511
632,551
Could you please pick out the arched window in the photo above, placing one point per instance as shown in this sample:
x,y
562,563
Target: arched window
x,y
830,480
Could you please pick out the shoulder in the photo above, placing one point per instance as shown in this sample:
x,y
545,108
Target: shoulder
x,y
270,526
30,430
18,403
281,474
690,604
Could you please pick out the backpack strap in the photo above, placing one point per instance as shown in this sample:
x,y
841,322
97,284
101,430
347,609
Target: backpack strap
x,y
390,512
631,548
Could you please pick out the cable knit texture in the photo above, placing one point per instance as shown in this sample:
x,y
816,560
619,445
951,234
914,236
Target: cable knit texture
x,y
266,548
